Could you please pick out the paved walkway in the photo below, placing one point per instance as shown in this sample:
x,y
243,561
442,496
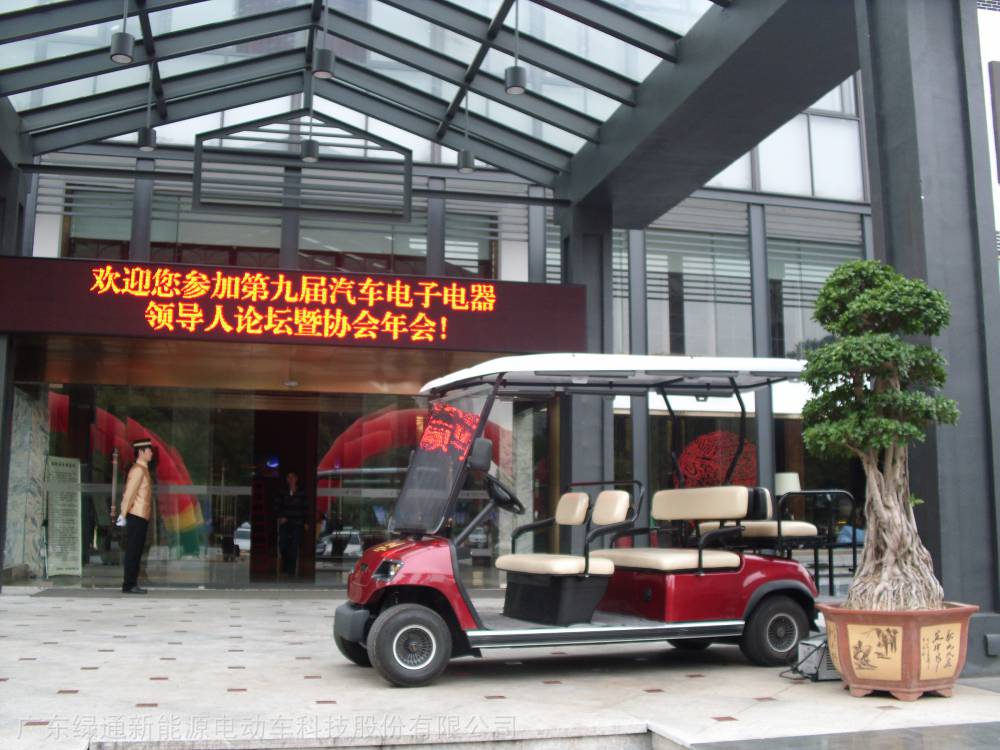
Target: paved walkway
x,y
259,670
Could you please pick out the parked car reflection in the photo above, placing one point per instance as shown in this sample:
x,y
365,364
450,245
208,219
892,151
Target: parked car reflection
x,y
241,537
342,544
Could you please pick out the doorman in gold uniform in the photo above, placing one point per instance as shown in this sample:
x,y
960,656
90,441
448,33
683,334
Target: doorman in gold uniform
x,y
137,507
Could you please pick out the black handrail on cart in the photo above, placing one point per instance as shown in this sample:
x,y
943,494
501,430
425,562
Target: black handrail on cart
x,y
832,500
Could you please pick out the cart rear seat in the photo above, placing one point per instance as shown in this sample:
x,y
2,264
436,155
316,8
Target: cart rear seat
x,y
767,529
732,503
668,560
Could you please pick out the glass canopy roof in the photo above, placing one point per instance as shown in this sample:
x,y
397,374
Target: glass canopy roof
x,y
430,69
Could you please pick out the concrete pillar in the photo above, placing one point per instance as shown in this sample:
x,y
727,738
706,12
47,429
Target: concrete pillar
x,y
288,253
6,415
760,302
435,229
932,218
142,212
536,237
638,340
588,454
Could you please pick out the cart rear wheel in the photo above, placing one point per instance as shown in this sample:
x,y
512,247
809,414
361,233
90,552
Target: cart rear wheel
x,y
690,644
409,645
773,631
354,652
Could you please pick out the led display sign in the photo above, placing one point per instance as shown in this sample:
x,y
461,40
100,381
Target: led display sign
x,y
177,301
449,430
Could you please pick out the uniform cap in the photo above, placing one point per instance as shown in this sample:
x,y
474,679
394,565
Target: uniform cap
x,y
144,443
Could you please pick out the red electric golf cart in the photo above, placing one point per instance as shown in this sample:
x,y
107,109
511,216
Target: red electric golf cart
x,y
677,574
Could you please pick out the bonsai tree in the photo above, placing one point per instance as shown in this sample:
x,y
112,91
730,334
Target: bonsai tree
x,y
872,395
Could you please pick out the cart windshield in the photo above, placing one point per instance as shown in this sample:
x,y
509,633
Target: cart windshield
x,y
438,464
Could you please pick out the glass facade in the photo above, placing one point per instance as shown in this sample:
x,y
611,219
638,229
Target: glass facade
x,y
818,153
698,277
222,459
803,248
225,452
697,450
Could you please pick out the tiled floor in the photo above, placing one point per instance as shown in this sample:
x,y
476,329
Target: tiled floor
x,y
260,669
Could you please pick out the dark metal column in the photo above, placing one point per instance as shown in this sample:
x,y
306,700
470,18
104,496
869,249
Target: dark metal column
x,y
142,212
932,218
435,229
760,303
536,237
27,243
994,68
288,254
587,421
638,343
868,236
6,419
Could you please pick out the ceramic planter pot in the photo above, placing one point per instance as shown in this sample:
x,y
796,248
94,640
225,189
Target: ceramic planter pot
x,y
905,653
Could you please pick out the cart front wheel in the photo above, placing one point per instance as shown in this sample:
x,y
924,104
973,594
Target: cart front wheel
x,y
409,645
354,652
773,631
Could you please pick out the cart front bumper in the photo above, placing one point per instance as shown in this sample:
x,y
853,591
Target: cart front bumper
x,y
350,622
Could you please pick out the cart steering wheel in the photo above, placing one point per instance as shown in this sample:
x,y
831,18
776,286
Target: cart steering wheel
x,y
502,496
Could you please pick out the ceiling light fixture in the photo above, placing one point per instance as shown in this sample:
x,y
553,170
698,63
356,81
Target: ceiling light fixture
x,y
310,151
516,77
123,43
147,135
323,56
466,159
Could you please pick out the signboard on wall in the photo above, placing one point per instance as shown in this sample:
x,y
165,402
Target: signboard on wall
x,y
296,307
62,491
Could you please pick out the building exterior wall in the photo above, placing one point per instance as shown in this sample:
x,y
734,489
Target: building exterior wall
x,y
697,256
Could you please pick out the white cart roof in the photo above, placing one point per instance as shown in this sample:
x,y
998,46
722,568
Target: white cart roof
x,y
623,373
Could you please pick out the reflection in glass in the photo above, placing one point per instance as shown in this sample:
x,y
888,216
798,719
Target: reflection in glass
x,y
412,28
737,176
698,286
836,156
552,86
584,41
677,16
784,159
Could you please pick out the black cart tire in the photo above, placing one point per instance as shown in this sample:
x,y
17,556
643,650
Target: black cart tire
x,y
690,644
773,632
409,645
354,652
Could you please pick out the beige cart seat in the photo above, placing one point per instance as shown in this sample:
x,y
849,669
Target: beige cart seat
x,y
691,504
768,529
611,506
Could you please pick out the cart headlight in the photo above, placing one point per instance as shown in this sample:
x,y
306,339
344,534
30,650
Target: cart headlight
x,y
387,570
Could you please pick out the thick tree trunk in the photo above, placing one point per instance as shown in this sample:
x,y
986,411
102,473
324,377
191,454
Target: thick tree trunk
x,y
896,571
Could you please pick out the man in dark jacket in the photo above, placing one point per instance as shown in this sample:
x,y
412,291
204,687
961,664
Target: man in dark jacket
x,y
292,510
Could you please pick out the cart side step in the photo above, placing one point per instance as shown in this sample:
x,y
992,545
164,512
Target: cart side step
x,y
583,635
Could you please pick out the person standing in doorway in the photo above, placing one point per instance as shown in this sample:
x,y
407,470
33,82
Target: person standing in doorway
x,y
291,507
137,507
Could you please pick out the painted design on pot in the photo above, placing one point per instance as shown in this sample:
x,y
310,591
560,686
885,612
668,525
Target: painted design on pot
x,y
939,650
875,651
831,645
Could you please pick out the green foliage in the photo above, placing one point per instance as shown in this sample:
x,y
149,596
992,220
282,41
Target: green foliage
x,y
873,390
868,296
